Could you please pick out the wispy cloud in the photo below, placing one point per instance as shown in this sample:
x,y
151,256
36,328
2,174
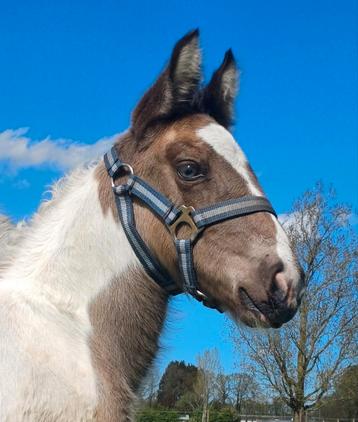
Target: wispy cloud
x,y
21,184
295,220
287,219
18,151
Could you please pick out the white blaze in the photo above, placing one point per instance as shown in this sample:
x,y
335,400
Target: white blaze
x,y
225,145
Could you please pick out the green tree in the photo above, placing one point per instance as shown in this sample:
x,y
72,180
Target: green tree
x,y
343,402
154,415
178,379
346,392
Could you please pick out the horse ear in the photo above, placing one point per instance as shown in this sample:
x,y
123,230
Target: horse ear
x,y
175,88
185,68
218,96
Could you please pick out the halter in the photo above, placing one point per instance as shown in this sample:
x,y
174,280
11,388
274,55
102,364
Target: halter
x,y
173,217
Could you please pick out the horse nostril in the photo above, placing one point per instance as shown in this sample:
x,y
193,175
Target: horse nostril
x,y
280,286
281,306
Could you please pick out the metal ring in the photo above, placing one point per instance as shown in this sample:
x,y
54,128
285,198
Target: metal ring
x,y
127,167
200,294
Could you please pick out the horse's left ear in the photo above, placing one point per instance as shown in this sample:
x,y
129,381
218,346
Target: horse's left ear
x,y
218,96
175,89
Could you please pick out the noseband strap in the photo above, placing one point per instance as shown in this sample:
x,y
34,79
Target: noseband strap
x,y
173,217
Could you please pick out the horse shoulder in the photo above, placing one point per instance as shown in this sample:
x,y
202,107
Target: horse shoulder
x,y
45,365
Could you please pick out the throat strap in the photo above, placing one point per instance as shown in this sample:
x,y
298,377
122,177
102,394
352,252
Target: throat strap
x,y
173,217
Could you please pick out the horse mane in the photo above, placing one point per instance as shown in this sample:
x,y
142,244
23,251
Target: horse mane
x,y
10,238
12,235
60,188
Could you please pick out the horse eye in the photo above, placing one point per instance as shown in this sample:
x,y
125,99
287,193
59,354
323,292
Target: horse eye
x,y
189,170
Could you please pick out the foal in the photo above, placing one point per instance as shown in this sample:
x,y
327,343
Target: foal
x,y
79,316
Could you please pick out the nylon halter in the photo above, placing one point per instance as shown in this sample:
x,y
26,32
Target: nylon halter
x,y
173,217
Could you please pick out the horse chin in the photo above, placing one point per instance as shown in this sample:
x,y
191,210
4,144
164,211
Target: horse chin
x,y
253,319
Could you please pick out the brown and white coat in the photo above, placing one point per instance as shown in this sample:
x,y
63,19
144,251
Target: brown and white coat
x,y
79,318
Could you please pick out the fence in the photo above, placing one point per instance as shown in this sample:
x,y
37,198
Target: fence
x,y
152,415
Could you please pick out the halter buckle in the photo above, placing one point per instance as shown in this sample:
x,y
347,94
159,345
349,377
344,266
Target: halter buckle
x,y
206,301
185,218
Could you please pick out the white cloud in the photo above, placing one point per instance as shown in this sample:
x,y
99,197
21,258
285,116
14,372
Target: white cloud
x,y
297,222
21,184
288,221
307,223
18,151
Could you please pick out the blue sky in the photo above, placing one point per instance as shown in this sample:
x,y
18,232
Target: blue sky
x,y
71,72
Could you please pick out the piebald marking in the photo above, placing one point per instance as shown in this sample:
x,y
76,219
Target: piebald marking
x,y
69,255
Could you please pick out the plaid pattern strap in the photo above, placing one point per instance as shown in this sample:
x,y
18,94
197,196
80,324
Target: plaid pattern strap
x,y
231,208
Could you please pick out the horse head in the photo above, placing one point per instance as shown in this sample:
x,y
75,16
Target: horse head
x,y
180,143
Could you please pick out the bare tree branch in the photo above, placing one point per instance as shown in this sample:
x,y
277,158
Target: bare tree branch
x,y
303,359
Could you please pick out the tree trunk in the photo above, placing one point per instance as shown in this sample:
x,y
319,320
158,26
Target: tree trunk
x,y
299,415
301,365
205,411
238,407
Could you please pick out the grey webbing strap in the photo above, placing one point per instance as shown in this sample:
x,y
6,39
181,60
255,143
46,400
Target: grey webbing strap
x,y
150,264
231,208
158,203
211,215
112,162
163,208
184,249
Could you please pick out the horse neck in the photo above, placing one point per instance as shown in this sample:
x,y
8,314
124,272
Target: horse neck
x,y
74,249
76,257
71,250
127,319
